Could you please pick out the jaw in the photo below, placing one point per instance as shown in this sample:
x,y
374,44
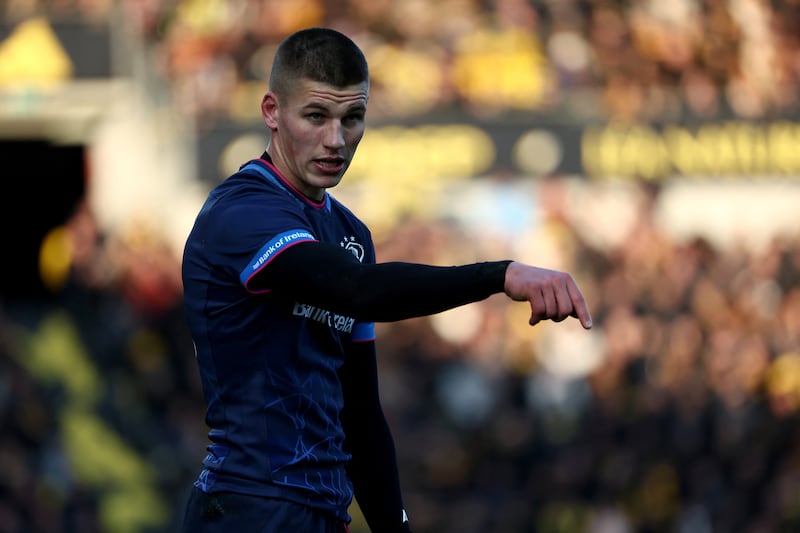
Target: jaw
x,y
314,184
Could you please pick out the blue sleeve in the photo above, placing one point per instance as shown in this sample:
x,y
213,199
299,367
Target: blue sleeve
x,y
240,239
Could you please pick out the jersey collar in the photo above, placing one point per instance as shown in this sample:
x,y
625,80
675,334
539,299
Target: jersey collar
x,y
267,169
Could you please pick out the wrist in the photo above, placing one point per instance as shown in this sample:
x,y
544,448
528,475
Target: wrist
x,y
494,274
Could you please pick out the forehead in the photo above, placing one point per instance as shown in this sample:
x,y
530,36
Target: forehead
x,y
308,92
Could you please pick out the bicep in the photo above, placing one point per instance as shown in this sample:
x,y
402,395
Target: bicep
x,y
310,270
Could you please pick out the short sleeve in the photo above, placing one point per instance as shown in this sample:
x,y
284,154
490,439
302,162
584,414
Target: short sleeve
x,y
251,228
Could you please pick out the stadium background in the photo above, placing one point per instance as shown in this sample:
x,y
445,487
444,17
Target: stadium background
x,y
649,147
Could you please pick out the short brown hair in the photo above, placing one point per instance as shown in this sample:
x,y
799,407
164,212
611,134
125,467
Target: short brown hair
x,y
319,54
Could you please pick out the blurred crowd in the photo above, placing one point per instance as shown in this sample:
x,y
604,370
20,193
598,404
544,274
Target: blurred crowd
x,y
645,60
677,413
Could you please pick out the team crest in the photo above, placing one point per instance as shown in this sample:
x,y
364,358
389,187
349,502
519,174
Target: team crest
x,y
355,248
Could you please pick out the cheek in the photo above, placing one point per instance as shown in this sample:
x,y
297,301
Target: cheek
x,y
354,140
300,139
296,143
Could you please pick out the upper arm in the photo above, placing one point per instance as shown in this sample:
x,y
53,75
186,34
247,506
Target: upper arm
x,y
254,277
316,272
248,232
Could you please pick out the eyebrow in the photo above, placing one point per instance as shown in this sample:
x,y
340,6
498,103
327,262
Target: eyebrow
x,y
356,107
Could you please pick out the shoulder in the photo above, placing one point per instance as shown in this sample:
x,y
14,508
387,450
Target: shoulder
x,y
242,206
245,192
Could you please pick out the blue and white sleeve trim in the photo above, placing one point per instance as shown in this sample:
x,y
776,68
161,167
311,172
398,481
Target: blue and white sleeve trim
x,y
271,249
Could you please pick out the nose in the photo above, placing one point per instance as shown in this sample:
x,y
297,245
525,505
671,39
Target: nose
x,y
334,134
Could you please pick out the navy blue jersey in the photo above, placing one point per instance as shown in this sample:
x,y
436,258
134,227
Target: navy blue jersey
x,y
269,363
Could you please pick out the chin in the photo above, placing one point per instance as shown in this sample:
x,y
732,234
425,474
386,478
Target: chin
x,y
331,182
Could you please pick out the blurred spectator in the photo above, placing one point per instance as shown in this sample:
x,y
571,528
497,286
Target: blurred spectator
x,y
678,413
649,60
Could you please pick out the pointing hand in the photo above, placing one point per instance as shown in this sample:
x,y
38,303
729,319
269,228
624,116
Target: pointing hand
x,y
552,295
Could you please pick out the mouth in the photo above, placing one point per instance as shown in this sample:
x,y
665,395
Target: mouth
x,y
330,165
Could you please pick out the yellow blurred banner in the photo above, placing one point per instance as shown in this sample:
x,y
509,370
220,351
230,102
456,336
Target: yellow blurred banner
x,y
32,54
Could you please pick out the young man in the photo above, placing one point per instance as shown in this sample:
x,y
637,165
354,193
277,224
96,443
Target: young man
x,y
282,290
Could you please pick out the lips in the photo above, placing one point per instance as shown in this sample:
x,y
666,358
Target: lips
x,y
330,165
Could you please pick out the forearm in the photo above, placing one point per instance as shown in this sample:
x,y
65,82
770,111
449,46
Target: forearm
x,y
396,291
368,438
376,482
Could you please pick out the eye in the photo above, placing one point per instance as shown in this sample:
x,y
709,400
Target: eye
x,y
315,116
353,118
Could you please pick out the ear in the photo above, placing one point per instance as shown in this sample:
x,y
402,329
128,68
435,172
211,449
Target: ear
x,y
269,110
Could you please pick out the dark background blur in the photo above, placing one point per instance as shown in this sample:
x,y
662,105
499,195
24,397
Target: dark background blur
x,y
650,148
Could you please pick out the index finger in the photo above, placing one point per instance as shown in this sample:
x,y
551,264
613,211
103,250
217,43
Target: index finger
x,y
580,309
